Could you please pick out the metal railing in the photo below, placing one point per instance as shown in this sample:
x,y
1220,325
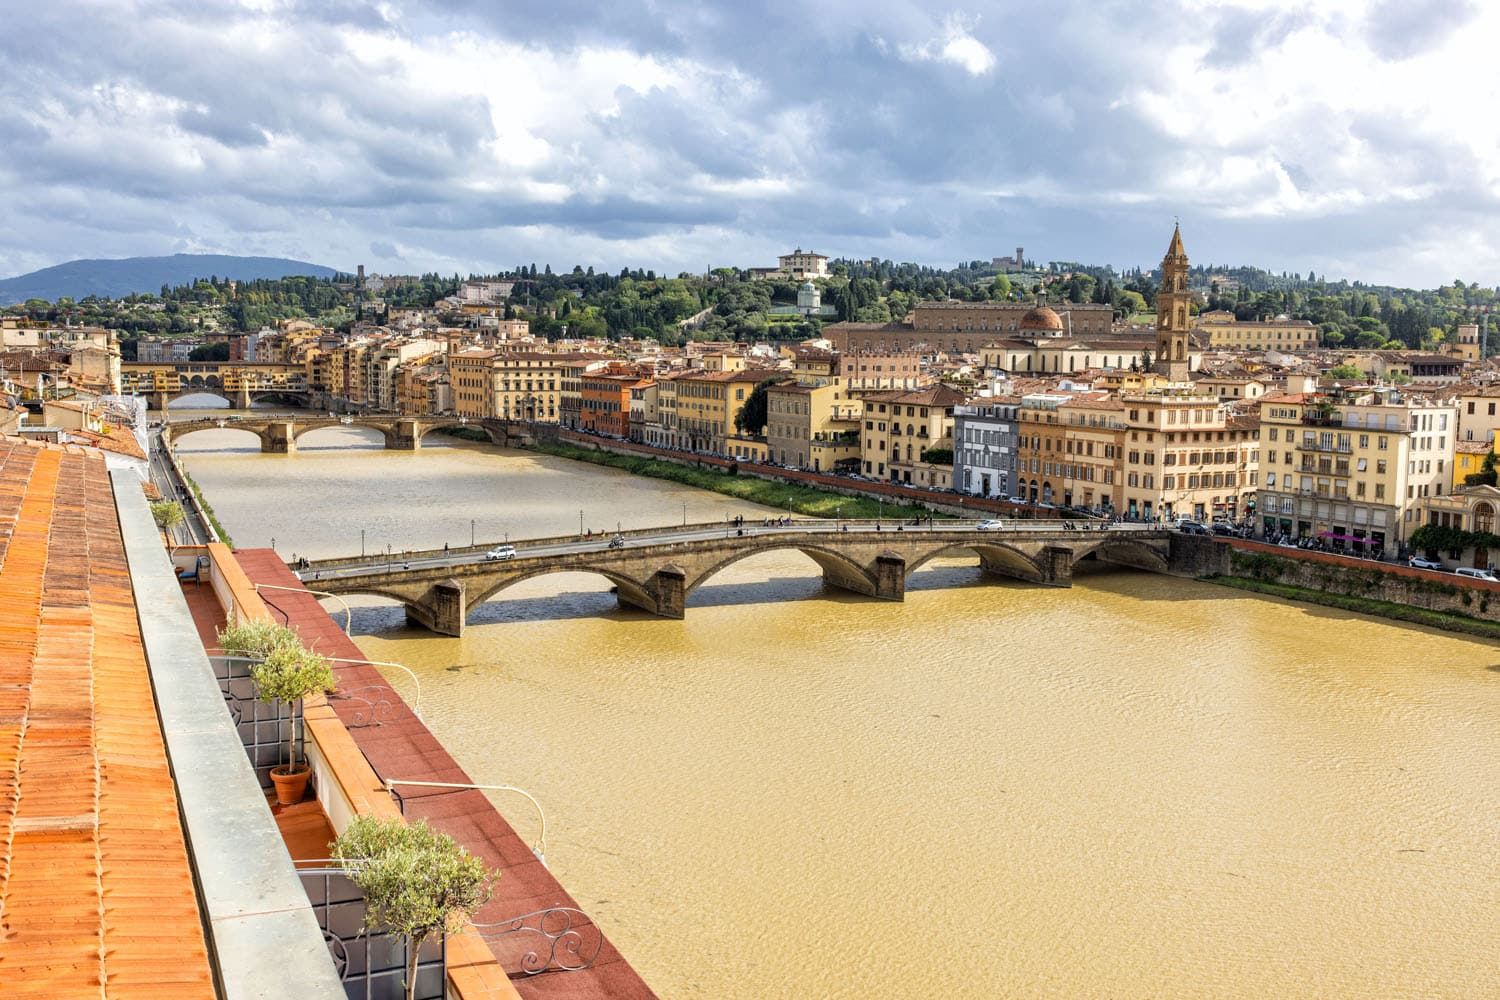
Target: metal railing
x,y
416,702
264,728
560,939
539,848
371,963
665,535
348,612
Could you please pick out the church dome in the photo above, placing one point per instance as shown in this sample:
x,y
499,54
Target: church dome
x,y
1042,320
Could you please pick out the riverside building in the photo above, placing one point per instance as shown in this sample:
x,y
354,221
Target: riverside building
x,y
1348,467
984,446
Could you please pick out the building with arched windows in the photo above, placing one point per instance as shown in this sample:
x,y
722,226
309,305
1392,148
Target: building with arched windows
x,y
1468,508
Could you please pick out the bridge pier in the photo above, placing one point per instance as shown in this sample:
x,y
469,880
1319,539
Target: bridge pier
x,y
278,439
404,436
666,593
1056,563
242,398
442,610
890,577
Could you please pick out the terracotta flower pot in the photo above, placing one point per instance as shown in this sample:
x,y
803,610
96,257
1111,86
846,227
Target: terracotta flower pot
x,y
290,782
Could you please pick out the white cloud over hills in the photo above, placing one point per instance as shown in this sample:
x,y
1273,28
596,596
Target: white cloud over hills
x,y
1344,137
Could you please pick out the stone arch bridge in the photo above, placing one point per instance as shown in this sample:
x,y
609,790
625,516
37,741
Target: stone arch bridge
x,y
279,434
656,569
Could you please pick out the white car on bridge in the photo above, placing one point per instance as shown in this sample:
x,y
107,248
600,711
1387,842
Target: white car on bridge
x,y
993,524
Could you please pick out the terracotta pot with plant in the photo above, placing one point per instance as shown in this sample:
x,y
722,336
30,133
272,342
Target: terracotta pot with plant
x,y
286,675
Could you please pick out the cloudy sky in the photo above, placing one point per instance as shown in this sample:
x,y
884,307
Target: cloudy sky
x,y
1353,138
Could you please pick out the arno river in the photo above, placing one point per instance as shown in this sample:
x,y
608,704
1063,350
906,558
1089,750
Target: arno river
x,y
1139,787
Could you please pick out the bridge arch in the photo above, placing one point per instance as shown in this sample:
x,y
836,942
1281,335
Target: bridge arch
x,y
994,557
199,390
838,568
299,397
1130,552
424,427
301,429
631,591
181,429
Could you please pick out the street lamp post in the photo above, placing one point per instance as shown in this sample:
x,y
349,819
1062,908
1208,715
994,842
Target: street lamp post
x,y
361,543
471,532
580,524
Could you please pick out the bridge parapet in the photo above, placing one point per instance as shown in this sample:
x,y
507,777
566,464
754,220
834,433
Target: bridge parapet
x,y
655,571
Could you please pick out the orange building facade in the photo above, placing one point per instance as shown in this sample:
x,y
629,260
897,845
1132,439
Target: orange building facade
x,y
606,402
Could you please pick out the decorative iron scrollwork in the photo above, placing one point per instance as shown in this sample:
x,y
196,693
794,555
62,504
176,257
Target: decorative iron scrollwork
x,y
338,952
561,939
368,706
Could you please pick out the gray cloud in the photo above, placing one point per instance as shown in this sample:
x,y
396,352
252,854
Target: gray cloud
x,y
1400,29
457,134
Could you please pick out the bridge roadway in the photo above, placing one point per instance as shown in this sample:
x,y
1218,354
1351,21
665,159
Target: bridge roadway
x,y
656,568
278,434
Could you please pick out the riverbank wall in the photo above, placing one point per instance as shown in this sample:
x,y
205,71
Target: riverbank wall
x,y
1441,600
952,504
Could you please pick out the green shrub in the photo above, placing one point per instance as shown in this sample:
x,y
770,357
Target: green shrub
x,y
417,882
256,638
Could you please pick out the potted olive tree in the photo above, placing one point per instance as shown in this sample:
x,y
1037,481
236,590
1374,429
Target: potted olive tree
x,y
284,672
286,675
417,882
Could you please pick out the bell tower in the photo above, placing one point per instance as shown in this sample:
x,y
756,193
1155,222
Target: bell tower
x,y
1172,312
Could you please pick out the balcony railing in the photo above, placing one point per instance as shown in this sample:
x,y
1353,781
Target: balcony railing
x,y
370,963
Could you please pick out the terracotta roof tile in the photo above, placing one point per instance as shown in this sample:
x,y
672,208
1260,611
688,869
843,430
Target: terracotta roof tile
x,y
94,874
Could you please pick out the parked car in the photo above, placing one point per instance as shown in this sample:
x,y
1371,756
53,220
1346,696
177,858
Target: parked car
x,y
992,524
1020,500
1192,528
1477,574
1417,562
1222,528
500,552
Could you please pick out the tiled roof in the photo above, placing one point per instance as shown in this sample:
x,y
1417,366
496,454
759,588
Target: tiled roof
x,y
118,441
96,895
936,395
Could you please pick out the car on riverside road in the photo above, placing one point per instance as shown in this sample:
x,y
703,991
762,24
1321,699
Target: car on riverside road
x,y
500,552
1417,562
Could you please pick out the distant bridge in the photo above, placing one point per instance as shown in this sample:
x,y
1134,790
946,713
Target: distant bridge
x,y
656,569
241,383
278,434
